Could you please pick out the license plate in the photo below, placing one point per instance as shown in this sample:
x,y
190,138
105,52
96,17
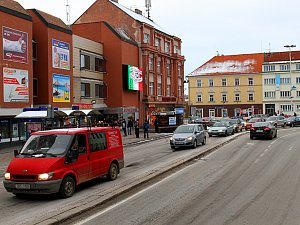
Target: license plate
x,y
179,143
259,131
22,186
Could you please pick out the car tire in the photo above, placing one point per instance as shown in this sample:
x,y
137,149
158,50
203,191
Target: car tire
x,y
275,136
67,187
210,135
292,125
284,125
172,147
232,132
251,137
112,172
204,141
195,144
226,134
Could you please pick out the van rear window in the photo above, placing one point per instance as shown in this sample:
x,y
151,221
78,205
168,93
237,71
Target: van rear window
x,y
97,141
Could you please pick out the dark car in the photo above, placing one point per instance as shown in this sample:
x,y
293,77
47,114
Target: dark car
x,y
293,121
237,124
263,129
190,135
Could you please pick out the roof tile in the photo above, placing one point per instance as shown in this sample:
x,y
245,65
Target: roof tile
x,y
13,5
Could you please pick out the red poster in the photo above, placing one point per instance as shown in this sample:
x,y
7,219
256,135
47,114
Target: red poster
x,y
15,45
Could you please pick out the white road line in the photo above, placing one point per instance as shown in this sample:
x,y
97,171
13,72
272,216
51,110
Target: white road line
x,y
127,199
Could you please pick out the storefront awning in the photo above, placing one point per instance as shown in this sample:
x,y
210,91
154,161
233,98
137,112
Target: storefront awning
x,y
39,114
83,112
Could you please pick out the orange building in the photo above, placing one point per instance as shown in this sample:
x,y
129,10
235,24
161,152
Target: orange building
x,y
145,45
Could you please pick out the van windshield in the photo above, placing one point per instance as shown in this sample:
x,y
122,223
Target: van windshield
x,y
50,145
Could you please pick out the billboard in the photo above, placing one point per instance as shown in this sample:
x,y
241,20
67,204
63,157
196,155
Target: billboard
x,y
132,78
60,55
15,45
61,88
15,85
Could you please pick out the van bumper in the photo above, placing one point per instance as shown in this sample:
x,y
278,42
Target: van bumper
x,y
39,187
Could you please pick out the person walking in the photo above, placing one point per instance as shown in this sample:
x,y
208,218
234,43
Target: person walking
x,y
130,126
124,127
137,128
146,127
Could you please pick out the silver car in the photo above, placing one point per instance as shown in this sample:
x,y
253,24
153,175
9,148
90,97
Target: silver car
x,y
190,135
221,128
277,121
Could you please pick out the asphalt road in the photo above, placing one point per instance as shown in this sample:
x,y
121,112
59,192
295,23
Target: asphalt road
x,y
141,162
244,182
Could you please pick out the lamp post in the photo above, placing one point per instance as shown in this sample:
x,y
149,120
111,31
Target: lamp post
x,y
290,56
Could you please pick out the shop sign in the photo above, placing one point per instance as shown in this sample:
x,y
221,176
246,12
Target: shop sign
x,y
15,85
84,106
15,45
172,120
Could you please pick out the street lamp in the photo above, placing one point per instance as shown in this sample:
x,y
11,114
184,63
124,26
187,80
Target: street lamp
x,y
290,54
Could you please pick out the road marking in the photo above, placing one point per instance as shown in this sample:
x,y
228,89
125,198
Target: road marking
x,y
127,199
291,148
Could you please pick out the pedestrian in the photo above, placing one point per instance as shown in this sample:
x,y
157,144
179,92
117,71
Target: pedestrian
x,y
146,129
295,114
137,128
130,126
124,127
156,125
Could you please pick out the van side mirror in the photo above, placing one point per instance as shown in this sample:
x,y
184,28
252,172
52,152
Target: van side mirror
x,y
16,153
72,155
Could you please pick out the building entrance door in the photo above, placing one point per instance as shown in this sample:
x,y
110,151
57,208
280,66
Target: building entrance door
x,y
270,109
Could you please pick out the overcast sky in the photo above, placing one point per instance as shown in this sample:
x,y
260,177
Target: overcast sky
x,y
209,26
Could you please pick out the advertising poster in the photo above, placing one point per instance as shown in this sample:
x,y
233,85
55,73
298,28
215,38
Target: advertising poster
x,y
132,78
277,80
15,85
60,55
172,120
15,45
61,88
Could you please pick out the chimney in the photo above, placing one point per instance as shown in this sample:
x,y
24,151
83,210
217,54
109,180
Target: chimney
x,y
137,11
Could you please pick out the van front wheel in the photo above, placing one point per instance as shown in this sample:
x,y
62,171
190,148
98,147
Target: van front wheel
x,y
67,187
112,172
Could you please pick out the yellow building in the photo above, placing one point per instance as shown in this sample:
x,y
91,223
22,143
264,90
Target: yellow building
x,y
227,86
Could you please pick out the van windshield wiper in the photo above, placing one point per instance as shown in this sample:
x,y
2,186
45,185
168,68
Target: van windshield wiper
x,y
44,153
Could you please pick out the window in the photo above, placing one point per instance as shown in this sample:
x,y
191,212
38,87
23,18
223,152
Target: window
x,y
269,81
298,93
298,107
297,66
211,98
179,70
100,91
224,82
97,141
250,81
158,66
85,62
168,69
175,49
34,50
286,108
211,82
146,38
270,94
237,82
250,96
269,68
284,67
237,97
167,47
212,113
150,63
157,42
168,90
199,98
298,80
179,91
99,64
151,88
159,89
199,83
85,90
224,97
285,94
285,80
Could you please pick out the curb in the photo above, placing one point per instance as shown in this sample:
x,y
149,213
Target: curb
x,y
151,175
134,143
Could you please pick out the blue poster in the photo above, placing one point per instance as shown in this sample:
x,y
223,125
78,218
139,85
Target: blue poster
x,y
61,88
277,80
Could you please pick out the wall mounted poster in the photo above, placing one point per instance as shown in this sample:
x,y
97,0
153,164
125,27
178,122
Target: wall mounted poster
x,y
15,85
15,45
61,88
60,55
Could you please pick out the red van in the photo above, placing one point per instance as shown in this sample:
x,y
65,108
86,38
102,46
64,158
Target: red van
x,y
55,161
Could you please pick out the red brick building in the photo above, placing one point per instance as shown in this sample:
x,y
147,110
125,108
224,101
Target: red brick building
x,y
158,54
15,68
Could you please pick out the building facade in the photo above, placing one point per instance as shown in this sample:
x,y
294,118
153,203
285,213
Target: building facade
x,y
281,83
159,55
16,69
227,86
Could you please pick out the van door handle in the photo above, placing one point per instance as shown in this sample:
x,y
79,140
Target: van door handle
x,y
88,157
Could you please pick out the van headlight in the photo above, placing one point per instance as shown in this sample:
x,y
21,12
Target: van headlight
x,y
7,176
189,138
45,176
171,138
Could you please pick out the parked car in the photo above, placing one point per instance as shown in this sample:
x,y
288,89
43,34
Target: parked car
x,y
190,135
263,129
293,121
277,121
194,119
250,123
221,128
237,125
56,161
